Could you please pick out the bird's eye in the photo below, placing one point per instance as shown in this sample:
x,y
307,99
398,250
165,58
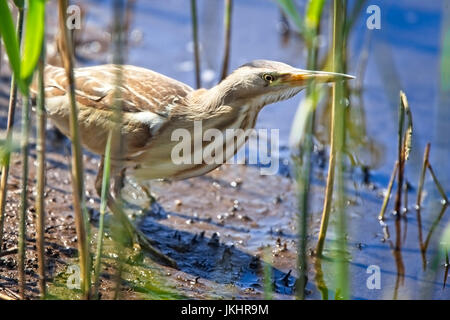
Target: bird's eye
x,y
268,77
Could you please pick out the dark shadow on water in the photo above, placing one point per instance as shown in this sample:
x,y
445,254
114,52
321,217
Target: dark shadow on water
x,y
209,258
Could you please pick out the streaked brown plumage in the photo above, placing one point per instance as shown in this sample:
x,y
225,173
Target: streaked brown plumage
x,y
154,106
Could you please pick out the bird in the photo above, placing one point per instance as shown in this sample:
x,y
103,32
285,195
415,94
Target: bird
x,y
153,106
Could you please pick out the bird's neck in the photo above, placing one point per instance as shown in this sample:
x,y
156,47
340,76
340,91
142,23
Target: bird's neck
x,y
221,99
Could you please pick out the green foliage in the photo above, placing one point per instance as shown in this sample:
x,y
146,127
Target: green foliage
x,y
446,238
35,21
6,147
313,13
4,154
290,10
8,34
19,3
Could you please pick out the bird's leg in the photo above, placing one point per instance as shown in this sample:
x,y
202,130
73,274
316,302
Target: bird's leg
x,y
149,194
136,234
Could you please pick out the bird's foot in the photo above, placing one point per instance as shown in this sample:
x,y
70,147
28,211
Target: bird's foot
x,y
146,244
137,237
150,196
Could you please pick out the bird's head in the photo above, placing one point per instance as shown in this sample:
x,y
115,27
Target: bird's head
x,y
263,82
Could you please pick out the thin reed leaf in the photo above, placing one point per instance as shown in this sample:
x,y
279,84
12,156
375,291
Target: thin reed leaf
x,y
288,7
313,14
9,133
103,206
35,21
11,41
426,155
387,196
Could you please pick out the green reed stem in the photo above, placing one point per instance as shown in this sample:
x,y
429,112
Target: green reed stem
x,y
304,170
195,40
117,139
227,20
9,133
342,283
388,192
23,198
103,206
40,150
77,164
268,279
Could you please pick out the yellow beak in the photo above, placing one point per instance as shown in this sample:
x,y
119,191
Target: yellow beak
x,y
303,76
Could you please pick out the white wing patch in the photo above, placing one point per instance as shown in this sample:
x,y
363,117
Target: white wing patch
x,y
152,120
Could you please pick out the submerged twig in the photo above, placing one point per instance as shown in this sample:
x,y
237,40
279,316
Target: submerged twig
x,y
447,264
437,183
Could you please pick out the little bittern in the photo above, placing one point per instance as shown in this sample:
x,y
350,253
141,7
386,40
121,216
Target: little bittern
x,y
153,106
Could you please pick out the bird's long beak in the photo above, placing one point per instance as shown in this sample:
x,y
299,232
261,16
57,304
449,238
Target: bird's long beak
x,y
302,77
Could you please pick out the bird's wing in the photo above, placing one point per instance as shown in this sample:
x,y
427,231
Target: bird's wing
x,y
140,89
